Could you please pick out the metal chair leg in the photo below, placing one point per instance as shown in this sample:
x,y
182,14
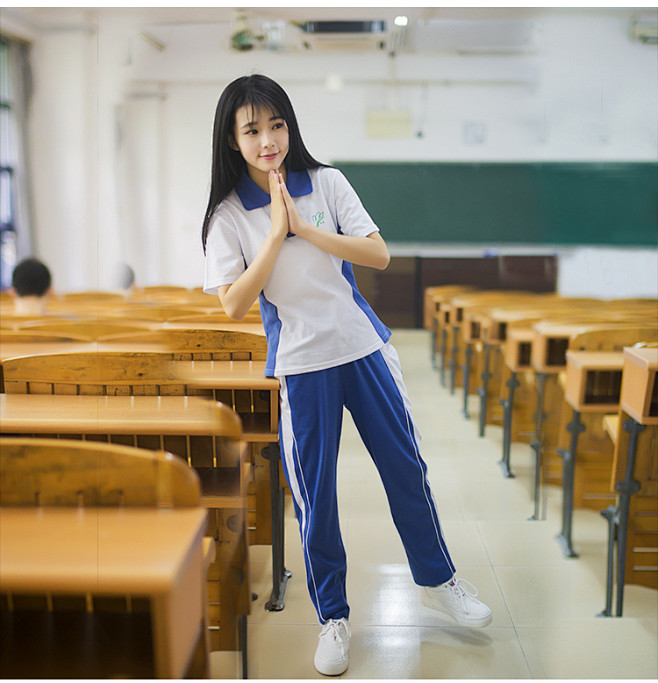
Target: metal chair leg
x,y
575,427
508,406
612,516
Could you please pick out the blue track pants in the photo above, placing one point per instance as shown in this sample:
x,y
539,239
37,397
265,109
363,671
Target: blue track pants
x,y
311,418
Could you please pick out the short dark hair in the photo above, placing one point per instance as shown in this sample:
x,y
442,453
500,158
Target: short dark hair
x,y
227,163
31,278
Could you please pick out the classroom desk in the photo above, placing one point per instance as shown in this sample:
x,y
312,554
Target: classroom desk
x,y
149,553
593,385
183,425
548,358
219,377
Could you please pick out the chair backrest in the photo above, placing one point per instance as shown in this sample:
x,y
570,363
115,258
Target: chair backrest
x,y
97,373
201,344
59,472
614,338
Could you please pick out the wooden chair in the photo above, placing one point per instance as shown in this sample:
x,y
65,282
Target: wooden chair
x,y
69,626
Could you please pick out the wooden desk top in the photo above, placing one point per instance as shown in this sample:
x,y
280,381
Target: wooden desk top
x,y
520,334
46,414
255,328
644,356
15,349
113,551
225,374
595,360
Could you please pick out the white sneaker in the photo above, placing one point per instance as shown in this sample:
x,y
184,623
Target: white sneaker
x,y
331,657
453,599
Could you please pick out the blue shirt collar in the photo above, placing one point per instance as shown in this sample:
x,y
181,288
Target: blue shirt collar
x,y
252,197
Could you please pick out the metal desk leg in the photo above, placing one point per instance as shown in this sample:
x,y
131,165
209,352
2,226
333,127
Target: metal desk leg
x,y
453,358
575,428
280,574
612,516
442,351
627,487
536,445
243,638
482,391
467,377
508,405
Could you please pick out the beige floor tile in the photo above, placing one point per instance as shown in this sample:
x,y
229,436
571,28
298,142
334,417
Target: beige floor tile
x,y
521,543
592,649
435,653
386,595
226,664
547,596
391,653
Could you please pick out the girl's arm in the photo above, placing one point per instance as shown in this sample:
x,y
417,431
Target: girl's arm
x,y
238,297
363,251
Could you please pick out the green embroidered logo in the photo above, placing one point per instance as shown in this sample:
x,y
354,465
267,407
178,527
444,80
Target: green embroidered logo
x,y
318,218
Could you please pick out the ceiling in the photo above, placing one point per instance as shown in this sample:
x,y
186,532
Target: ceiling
x,y
46,18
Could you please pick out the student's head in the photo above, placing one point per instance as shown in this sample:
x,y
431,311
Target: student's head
x,y
256,93
31,278
124,277
259,96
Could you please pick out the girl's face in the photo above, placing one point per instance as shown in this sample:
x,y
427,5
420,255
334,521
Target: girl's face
x,y
261,136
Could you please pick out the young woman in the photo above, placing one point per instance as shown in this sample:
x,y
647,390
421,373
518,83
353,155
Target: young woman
x,y
286,229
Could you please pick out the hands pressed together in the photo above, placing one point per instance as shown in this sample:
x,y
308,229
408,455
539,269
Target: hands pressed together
x,y
363,251
284,214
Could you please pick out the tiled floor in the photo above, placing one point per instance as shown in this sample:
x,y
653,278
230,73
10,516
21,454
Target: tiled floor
x,y
545,606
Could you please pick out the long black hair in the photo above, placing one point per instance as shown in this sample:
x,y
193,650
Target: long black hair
x,y
227,163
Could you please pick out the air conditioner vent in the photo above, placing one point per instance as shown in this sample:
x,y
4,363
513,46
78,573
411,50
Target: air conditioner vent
x,y
324,27
344,35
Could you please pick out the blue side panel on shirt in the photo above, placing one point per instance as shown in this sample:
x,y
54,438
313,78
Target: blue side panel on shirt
x,y
272,326
379,326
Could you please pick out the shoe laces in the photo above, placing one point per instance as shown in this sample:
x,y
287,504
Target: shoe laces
x,y
336,630
458,587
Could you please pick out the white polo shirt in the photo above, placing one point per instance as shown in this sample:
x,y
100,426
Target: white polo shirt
x,y
314,316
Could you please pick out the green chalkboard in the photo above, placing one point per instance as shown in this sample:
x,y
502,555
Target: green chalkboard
x,y
520,203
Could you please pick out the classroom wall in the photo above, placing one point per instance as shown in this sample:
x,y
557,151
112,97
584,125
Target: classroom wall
x,y
121,133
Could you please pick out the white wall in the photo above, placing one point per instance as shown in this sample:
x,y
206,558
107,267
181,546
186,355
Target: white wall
x,y
122,132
